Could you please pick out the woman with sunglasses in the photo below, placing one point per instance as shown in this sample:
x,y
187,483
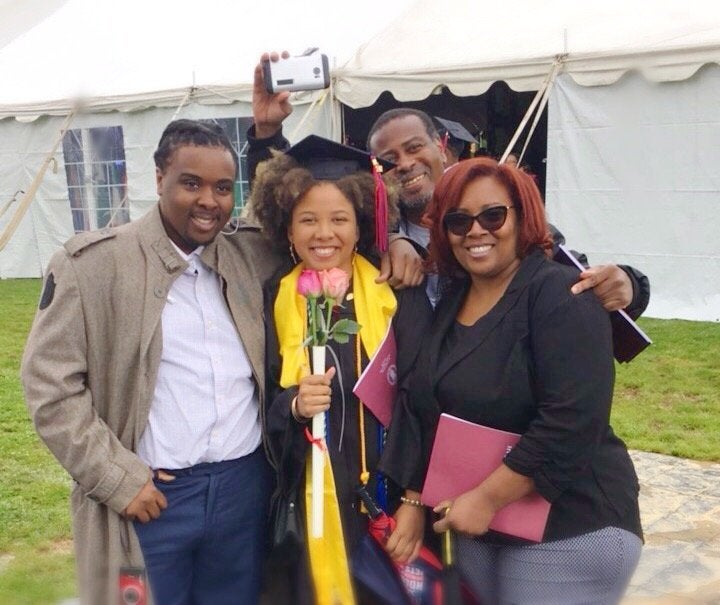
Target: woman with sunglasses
x,y
512,348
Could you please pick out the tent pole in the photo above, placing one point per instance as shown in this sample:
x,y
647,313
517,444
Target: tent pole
x,y
538,96
341,114
318,101
34,186
333,106
538,113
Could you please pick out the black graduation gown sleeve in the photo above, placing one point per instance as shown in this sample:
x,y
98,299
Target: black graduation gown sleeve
x,y
640,282
641,291
259,149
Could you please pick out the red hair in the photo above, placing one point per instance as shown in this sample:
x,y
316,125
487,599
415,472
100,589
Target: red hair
x,y
532,227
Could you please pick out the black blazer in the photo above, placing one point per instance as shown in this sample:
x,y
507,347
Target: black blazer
x,y
540,364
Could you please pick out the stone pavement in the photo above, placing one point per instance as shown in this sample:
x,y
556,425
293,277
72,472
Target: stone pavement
x,y
680,509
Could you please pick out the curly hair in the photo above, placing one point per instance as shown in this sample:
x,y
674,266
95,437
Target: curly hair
x,y
281,182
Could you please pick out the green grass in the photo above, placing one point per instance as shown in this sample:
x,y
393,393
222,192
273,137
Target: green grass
x,y
667,401
36,561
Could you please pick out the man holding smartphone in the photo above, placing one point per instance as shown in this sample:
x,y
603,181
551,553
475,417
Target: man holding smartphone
x,y
403,266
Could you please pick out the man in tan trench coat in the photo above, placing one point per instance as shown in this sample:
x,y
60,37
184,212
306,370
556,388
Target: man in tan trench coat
x,y
114,365
94,353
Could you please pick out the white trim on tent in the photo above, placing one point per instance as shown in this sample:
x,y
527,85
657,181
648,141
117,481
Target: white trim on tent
x,y
467,46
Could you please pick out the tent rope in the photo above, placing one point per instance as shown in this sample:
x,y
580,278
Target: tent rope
x,y
217,93
539,102
117,209
184,101
9,203
28,197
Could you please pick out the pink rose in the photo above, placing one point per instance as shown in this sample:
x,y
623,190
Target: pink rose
x,y
308,284
335,283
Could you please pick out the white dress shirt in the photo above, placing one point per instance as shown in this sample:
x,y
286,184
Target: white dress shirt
x,y
205,406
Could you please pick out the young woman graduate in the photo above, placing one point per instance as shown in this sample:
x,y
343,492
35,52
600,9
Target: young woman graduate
x,y
323,203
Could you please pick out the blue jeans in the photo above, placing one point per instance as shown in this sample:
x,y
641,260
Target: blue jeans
x,y
208,546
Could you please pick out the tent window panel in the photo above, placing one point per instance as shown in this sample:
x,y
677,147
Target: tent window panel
x,y
72,146
236,130
77,208
75,174
96,177
118,202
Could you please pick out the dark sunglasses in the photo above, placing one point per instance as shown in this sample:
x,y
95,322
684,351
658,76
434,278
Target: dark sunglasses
x,y
490,219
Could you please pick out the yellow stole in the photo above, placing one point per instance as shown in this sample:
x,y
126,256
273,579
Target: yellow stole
x,y
375,305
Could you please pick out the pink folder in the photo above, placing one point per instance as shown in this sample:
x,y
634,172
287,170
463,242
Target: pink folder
x,y
463,455
377,385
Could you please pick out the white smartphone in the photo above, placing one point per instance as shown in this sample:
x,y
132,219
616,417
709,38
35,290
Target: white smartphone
x,y
306,72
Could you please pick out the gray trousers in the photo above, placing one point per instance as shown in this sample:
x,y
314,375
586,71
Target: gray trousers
x,y
591,569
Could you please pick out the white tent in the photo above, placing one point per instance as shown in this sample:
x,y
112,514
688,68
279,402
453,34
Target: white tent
x,y
135,65
633,161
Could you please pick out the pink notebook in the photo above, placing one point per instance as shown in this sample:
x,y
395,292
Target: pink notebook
x,y
377,385
463,455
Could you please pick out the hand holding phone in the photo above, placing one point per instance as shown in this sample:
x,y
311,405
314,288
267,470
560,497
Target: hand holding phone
x,y
309,71
269,110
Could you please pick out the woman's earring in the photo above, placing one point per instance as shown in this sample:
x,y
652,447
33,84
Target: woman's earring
x,y
292,254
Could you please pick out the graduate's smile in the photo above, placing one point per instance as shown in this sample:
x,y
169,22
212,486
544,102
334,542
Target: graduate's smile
x,y
323,229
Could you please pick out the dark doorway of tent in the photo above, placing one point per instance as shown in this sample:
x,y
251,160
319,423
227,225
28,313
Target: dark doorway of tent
x,y
491,119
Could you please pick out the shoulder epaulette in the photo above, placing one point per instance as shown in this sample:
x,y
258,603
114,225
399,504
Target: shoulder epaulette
x,y
244,224
75,245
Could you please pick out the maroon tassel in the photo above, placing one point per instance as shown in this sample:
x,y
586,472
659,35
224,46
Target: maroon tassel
x,y
444,142
381,207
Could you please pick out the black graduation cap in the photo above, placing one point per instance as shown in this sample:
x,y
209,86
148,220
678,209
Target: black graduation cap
x,y
456,130
329,160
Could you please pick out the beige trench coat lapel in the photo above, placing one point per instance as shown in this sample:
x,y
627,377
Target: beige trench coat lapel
x,y
243,294
163,266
